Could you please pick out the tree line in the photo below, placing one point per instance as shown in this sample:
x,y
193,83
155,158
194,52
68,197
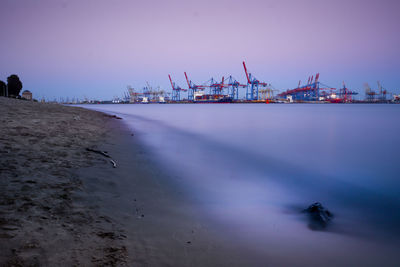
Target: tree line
x,y
12,88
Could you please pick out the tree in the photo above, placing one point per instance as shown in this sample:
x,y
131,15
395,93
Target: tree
x,y
3,87
14,85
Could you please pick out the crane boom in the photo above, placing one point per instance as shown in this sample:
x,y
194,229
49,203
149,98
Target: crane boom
x,y
379,87
149,87
172,84
247,74
187,80
222,83
316,78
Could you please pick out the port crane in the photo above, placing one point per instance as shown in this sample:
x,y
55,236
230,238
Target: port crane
x,y
382,92
345,95
217,88
176,90
312,91
133,96
233,87
373,96
252,85
193,88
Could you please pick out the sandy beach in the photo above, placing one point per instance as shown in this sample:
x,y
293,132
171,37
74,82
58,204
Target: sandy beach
x,y
42,219
61,205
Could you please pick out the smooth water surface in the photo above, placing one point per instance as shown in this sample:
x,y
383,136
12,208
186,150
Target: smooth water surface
x,y
254,167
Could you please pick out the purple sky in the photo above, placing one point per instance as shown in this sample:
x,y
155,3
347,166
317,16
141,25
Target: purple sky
x,y
96,48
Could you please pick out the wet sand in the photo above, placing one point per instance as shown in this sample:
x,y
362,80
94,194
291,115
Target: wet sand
x,y
163,227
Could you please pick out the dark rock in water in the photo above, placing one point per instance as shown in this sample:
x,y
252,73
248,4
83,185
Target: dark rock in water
x,y
319,216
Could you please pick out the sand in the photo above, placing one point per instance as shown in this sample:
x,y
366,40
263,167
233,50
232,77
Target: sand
x,y
42,219
61,205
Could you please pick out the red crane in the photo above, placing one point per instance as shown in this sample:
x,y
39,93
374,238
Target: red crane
x,y
176,90
247,74
193,88
252,85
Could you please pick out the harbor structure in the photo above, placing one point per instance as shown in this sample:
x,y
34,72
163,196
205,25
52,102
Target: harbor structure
x,y
176,90
229,90
379,96
253,85
316,91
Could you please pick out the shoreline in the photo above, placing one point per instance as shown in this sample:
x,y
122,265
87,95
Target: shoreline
x,y
239,102
162,226
62,204
270,235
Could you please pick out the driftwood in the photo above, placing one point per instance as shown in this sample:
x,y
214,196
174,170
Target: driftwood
x,y
116,117
105,154
113,163
113,116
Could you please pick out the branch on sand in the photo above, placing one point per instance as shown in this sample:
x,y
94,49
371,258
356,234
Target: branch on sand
x,y
105,154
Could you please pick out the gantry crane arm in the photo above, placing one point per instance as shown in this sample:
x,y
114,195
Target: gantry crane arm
x,y
172,84
222,83
148,85
379,87
187,80
247,74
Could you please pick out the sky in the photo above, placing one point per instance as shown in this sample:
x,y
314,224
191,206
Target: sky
x,y
95,48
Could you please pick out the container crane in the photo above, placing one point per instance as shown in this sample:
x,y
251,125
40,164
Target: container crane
x,y
233,88
217,88
369,93
312,91
176,90
133,96
345,95
193,88
382,92
252,85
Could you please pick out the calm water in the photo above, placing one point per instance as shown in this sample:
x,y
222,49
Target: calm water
x,y
254,167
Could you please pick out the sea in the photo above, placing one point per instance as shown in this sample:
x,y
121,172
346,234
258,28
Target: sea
x,y
255,168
